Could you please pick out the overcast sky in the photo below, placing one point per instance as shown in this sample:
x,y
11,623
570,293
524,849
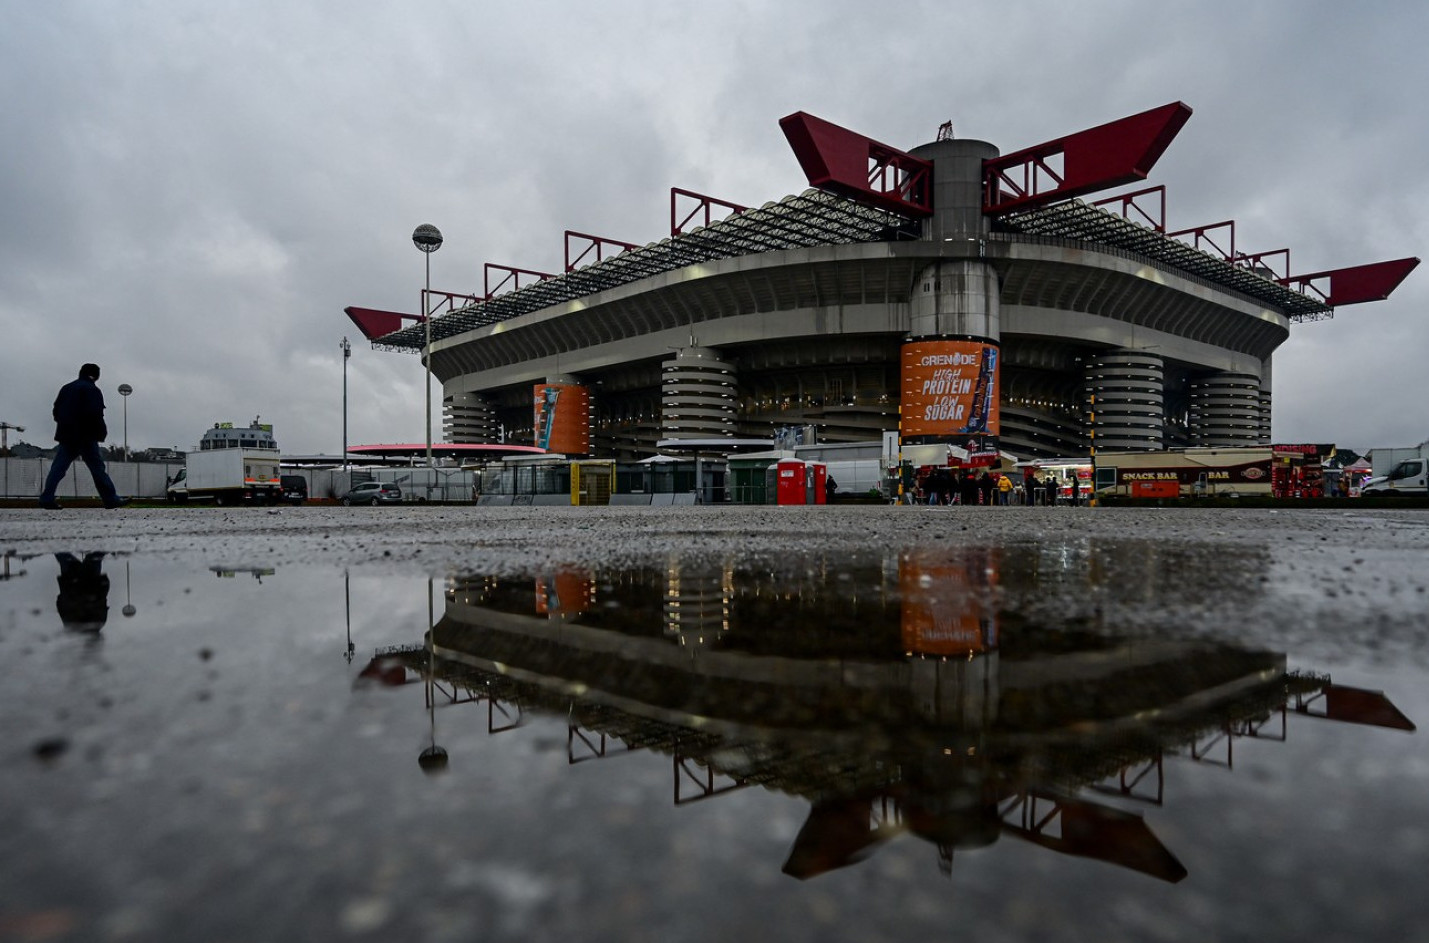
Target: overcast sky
x,y
190,194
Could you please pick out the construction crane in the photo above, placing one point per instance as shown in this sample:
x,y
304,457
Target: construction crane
x,y
5,428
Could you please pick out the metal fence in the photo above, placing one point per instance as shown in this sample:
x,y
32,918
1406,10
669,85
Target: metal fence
x,y
25,477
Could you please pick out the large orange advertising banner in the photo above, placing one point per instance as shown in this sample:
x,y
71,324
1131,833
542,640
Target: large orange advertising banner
x,y
949,389
562,418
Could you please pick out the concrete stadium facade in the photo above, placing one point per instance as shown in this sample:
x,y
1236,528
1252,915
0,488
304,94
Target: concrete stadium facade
x,y
1110,333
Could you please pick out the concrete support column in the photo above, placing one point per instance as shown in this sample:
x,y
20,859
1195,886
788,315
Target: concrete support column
x,y
1125,393
562,415
949,371
949,376
1226,411
957,189
697,395
957,299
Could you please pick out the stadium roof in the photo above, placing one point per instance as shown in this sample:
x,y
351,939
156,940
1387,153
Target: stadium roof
x,y
445,450
814,218
811,218
1075,219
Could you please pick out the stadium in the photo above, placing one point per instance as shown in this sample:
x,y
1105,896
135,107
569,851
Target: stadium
x,y
948,293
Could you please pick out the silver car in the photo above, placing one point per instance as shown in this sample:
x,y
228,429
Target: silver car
x,y
373,493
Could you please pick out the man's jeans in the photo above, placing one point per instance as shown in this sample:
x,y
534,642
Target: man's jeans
x,y
65,454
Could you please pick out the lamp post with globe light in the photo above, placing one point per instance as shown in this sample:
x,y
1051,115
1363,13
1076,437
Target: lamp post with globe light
x,y
346,353
428,239
124,390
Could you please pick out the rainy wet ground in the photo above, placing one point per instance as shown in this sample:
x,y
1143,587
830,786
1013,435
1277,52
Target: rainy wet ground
x,y
700,724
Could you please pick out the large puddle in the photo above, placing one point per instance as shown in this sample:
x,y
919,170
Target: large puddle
x,y
880,746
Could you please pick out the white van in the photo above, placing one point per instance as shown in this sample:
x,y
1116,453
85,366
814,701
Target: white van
x,y
1409,477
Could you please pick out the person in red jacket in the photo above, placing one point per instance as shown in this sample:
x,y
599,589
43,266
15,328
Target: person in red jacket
x,y
79,428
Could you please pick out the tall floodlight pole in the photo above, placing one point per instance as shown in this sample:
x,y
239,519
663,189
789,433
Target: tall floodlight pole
x,y
124,390
428,238
346,353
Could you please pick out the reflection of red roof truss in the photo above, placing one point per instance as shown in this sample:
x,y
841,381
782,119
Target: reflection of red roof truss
x,y
1356,706
837,833
1091,830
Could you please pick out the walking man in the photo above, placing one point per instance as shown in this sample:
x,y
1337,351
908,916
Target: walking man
x,y
79,428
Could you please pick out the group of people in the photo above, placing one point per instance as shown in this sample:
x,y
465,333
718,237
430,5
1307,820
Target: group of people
x,y
955,486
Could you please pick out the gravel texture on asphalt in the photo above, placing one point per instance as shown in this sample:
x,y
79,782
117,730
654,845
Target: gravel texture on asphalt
x,y
1365,572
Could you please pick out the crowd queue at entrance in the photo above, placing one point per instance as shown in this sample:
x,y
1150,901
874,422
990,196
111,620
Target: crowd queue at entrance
x,y
938,485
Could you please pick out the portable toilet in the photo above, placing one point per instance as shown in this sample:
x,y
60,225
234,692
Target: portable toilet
x,y
785,481
816,474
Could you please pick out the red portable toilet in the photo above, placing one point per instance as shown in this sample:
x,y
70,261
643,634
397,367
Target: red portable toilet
x,y
815,475
790,486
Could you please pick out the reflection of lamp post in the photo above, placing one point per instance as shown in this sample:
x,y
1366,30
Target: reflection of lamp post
x,y
428,238
347,608
346,353
124,390
128,609
433,759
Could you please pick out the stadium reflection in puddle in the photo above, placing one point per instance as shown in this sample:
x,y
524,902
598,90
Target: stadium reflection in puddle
x,y
1019,742
895,694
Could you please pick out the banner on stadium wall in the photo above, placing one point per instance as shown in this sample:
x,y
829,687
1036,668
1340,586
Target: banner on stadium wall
x,y
949,392
562,419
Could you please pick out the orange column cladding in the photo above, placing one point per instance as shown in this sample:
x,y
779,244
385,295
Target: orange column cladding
x,y
562,418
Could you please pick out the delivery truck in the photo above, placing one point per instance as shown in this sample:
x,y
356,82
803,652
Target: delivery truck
x,y
1407,476
228,476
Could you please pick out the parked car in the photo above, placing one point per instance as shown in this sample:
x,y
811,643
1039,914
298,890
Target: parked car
x,y
294,488
373,493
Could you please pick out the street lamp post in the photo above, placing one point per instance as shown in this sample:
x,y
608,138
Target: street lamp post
x,y
346,353
124,390
428,239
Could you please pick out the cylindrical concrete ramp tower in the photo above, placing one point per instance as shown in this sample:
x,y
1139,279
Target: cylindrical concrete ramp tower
x,y
1226,411
1125,399
470,419
1264,412
697,395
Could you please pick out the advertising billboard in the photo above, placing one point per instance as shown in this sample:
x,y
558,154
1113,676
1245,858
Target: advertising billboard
x,y
950,394
1237,473
562,420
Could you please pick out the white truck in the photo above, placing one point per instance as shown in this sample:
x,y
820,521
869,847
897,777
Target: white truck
x,y
228,476
1407,474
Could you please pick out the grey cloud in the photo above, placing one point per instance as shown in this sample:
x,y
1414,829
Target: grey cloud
x,y
198,191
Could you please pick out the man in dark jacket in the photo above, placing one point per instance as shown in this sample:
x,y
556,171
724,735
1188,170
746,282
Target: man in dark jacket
x,y
79,428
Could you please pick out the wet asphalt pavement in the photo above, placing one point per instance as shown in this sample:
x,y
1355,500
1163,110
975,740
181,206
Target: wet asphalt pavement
x,y
1322,568
459,723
